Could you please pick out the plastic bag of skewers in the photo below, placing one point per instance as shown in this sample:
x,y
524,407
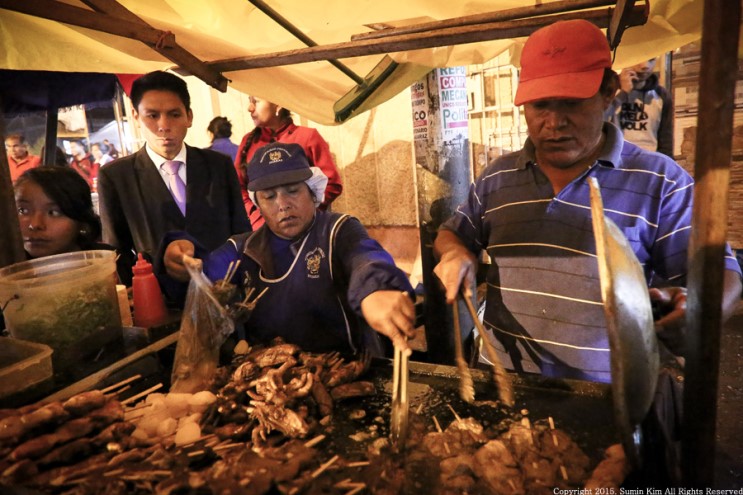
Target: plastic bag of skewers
x,y
205,325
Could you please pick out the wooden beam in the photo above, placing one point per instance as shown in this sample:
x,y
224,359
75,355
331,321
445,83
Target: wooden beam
x,y
497,16
177,54
113,18
717,75
416,41
76,16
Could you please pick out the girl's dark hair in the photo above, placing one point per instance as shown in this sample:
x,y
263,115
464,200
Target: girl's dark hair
x,y
220,127
71,193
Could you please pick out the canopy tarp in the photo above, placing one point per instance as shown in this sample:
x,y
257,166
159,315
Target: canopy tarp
x,y
220,30
32,91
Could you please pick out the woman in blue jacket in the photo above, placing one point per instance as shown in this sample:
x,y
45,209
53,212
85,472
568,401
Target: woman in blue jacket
x,y
322,271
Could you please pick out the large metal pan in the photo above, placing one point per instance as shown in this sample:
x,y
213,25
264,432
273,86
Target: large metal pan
x,y
629,320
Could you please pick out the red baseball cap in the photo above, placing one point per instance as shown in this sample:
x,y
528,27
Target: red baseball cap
x,y
563,60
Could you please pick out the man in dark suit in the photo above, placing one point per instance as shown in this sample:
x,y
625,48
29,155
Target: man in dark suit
x,y
167,185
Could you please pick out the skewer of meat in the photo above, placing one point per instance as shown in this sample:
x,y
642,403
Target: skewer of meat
x,y
81,404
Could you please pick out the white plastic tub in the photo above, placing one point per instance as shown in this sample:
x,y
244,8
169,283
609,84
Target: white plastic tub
x,y
67,301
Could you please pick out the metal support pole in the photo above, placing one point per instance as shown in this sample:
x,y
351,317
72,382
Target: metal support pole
x,y
50,139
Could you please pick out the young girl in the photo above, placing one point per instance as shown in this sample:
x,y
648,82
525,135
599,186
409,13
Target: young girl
x,y
55,211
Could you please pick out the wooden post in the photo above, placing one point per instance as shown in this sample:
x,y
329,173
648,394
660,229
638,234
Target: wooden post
x,y
11,243
717,75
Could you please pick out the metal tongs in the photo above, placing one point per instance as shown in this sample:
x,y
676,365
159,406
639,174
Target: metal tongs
x,y
399,416
466,385
501,377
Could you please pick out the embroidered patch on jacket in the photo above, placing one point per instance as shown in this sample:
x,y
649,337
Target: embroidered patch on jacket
x,y
313,259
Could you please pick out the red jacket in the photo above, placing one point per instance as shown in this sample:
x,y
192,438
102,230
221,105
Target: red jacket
x,y
318,154
87,168
17,168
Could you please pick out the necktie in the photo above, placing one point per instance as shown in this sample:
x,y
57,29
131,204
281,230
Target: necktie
x,y
177,186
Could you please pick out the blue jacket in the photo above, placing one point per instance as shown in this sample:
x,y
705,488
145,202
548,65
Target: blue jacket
x,y
224,146
314,300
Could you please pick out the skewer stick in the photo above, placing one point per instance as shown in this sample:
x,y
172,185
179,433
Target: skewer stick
x,y
438,428
358,464
347,483
552,430
419,408
141,394
512,485
454,412
123,389
527,424
227,274
145,475
248,294
121,383
138,407
314,441
343,483
234,269
360,487
260,295
325,466
563,472
135,416
212,442
227,446
200,439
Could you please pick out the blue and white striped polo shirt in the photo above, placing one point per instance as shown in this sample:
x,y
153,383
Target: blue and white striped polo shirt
x,y
544,301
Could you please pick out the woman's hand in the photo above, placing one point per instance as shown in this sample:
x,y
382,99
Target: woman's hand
x,y
174,259
391,313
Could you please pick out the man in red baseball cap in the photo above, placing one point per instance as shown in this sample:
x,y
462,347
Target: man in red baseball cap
x,y
530,210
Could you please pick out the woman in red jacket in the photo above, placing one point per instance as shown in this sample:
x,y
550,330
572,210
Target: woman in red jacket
x,y
274,123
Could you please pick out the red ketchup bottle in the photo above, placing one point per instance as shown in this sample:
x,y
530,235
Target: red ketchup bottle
x,y
149,308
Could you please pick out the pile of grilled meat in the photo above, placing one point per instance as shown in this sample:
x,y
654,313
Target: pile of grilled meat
x,y
270,424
